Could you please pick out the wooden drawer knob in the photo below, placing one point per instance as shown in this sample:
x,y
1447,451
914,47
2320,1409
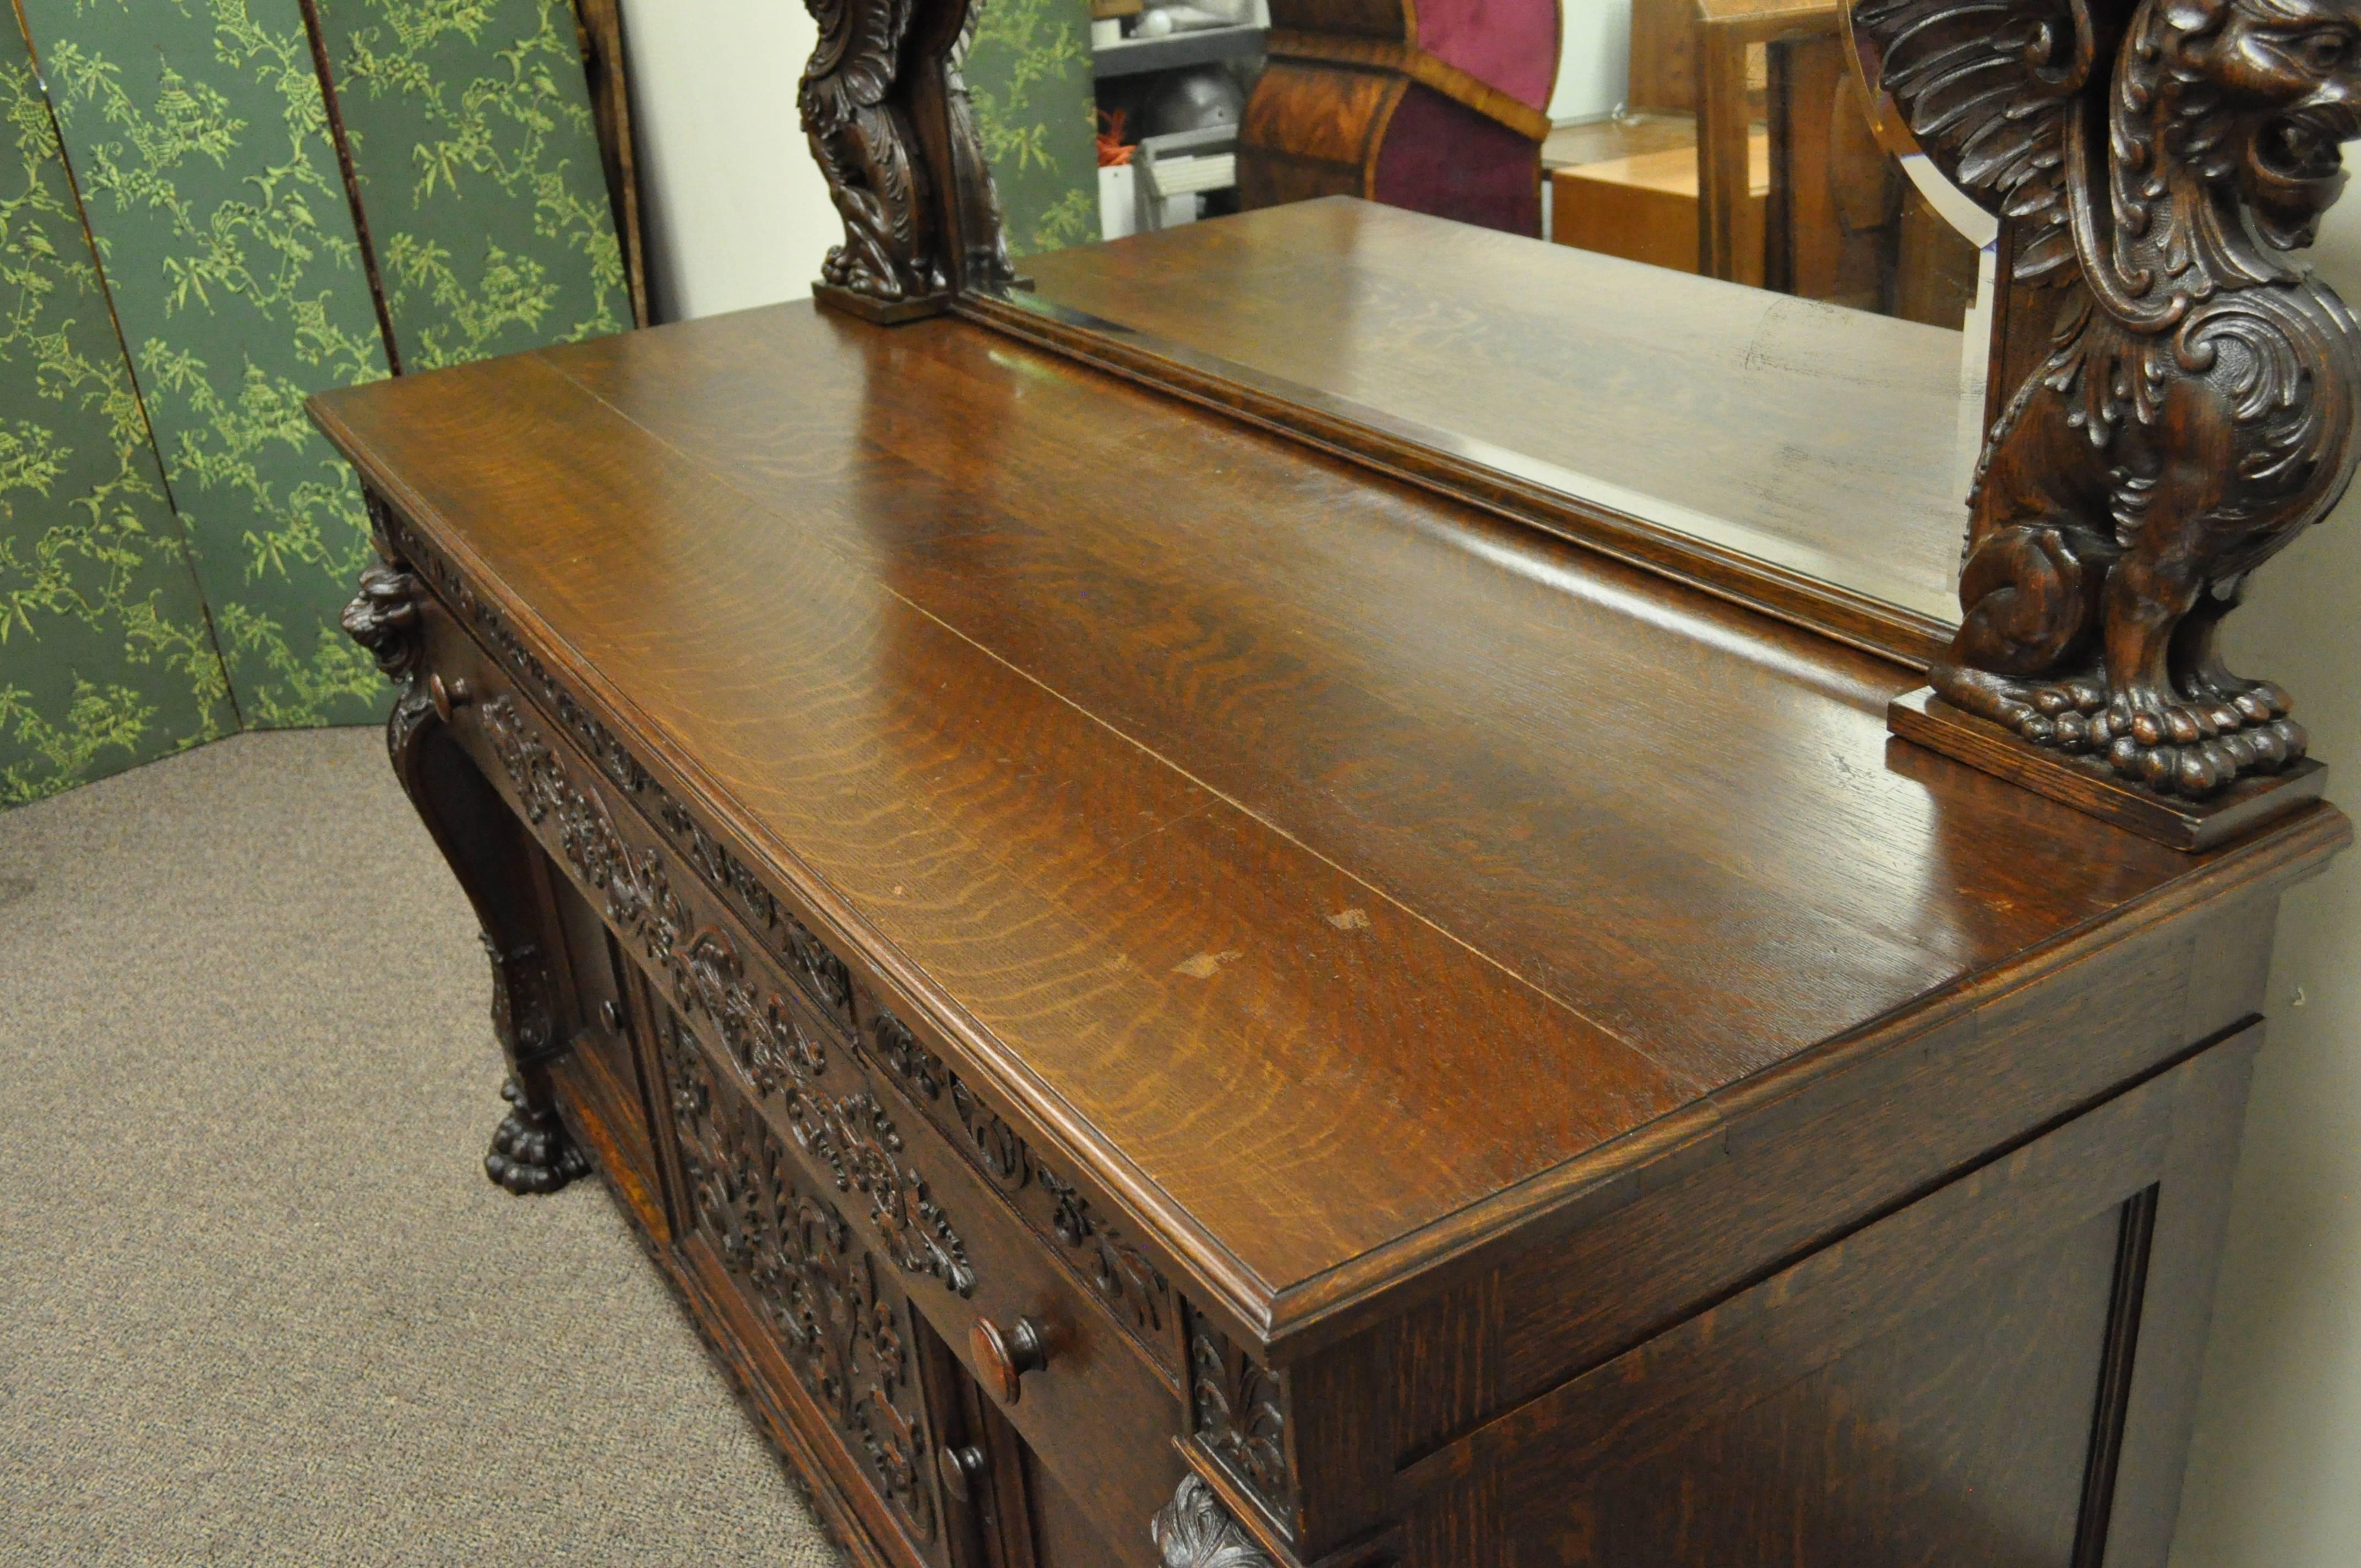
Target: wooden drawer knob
x,y
1002,1359
962,1469
456,694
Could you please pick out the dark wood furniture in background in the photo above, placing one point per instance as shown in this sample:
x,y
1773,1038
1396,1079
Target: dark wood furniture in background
x,y
1769,174
1440,107
1297,1011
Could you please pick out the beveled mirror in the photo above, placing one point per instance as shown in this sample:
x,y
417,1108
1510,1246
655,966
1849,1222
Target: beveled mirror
x,y
1647,276
1826,289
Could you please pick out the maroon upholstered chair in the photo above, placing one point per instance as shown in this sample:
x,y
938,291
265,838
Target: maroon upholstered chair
x,y
1441,107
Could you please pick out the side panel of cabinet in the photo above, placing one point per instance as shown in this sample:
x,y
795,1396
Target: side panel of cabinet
x,y
2001,1373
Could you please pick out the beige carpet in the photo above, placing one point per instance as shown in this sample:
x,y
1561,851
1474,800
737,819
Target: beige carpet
x,y
257,1303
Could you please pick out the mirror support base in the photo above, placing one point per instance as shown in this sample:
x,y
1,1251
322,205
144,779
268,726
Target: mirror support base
x,y
877,312
2089,784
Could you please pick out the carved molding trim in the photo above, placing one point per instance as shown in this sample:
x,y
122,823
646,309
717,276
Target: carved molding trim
x,y
1115,1268
1239,1411
842,1322
1194,1530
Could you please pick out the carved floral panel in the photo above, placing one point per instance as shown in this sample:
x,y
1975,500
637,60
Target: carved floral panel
x,y
844,1324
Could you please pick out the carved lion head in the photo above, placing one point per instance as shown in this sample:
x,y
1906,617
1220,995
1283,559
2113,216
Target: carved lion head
x,y
2262,93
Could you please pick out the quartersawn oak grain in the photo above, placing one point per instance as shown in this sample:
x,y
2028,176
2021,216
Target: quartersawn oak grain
x,y
1254,897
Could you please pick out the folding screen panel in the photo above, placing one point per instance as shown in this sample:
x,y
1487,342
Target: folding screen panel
x,y
1028,76
197,132
471,141
106,655
176,543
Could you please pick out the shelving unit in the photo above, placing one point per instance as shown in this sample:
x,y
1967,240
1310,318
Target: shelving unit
x,y
1133,57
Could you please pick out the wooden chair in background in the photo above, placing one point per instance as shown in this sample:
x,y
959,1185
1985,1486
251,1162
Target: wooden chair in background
x,y
1840,222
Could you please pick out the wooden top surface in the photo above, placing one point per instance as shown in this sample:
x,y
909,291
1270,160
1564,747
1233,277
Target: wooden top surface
x,y
1824,439
1318,860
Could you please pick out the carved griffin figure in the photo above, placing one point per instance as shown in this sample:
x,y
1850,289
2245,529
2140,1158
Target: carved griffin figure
x,y
2155,163
861,136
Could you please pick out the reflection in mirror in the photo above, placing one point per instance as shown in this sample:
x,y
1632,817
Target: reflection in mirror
x,y
1694,278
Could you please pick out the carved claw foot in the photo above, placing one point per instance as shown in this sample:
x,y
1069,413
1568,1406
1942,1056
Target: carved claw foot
x,y
531,1152
2253,702
2198,768
2194,747
2047,713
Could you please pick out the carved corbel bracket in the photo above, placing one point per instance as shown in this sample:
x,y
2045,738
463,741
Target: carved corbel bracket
x,y
2193,409
383,617
531,1150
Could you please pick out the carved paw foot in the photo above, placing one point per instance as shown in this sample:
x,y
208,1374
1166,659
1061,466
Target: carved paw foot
x,y
2196,748
2047,713
2193,748
2236,702
2199,768
532,1151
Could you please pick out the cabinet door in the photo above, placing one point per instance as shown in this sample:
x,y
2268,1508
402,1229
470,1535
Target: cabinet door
x,y
603,1096
828,1336
1999,1375
1019,1514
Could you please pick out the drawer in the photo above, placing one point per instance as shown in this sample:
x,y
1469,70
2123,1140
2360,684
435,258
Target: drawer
x,y
937,1190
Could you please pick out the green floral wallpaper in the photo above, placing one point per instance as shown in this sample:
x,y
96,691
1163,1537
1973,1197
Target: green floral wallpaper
x,y
176,543
469,125
1029,74
106,655
198,133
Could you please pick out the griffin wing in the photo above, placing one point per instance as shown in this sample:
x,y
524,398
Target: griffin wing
x,y
1991,90
860,42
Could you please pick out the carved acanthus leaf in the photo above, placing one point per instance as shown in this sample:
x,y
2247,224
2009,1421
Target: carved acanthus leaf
x,y
1193,1530
1241,1417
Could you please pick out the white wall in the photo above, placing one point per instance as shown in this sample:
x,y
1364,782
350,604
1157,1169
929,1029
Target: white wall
x,y
737,212
2275,1480
1594,63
